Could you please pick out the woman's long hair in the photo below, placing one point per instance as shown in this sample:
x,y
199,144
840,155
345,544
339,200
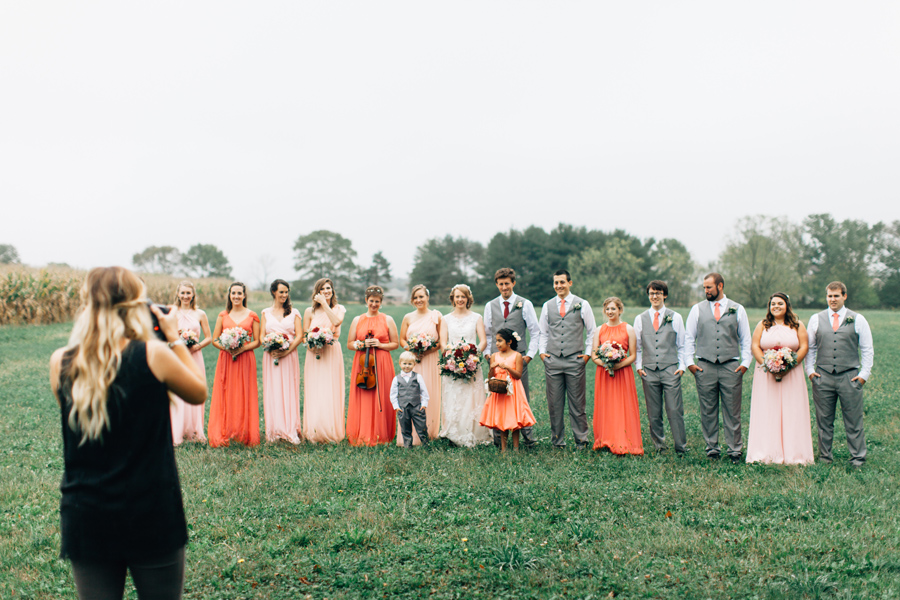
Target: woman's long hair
x,y
274,288
229,305
189,285
790,319
113,308
332,302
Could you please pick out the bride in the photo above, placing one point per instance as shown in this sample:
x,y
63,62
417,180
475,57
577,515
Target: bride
x,y
462,401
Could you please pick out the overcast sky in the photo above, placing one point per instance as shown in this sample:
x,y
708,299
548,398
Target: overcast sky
x,y
246,125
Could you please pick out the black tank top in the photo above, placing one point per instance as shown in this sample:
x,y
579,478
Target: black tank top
x,y
121,499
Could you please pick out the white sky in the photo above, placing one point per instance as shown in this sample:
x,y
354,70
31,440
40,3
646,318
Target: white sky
x,y
246,125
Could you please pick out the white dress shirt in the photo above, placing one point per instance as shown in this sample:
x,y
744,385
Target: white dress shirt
x,y
531,323
677,325
866,348
395,388
744,336
587,317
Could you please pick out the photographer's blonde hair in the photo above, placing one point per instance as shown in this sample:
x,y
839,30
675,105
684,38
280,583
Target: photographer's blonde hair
x,y
113,309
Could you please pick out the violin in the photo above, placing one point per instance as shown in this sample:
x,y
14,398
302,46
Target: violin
x,y
366,377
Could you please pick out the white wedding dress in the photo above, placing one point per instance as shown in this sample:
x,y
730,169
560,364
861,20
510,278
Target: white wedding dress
x,y
463,401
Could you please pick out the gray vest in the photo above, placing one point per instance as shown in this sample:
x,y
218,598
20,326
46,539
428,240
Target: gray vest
x,y
408,394
515,321
837,351
717,341
566,333
658,348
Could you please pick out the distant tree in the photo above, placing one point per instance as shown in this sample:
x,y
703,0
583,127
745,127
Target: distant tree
x,y
8,254
888,266
612,270
158,259
263,271
671,262
378,273
441,263
325,253
205,260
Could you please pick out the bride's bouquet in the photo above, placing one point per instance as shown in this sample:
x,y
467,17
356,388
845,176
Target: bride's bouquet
x,y
317,338
611,353
420,344
190,337
460,361
778,361
233,338
275,341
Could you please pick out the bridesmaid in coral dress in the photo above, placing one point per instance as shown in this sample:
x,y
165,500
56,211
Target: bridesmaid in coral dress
x,y
425,321
617,420
187,419
234,409
780,432
507,412
323,370
371,419
281,382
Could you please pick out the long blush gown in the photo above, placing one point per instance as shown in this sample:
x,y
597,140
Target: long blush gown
x,y
780,432
428,368
187,419
617,420
370,416
323,385
234,409
507,412
281,383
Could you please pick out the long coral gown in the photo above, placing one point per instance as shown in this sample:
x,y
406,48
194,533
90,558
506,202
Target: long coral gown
x,y
507,412
281,382
187,419
371,419
323,385
617,420
428,368
234,409
780,431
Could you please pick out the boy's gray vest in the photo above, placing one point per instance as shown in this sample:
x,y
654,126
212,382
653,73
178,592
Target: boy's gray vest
x,y
408,393
837,351
658,348
515,321
717,341
566,333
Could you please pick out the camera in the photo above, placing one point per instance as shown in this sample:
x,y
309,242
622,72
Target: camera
x,y
164,310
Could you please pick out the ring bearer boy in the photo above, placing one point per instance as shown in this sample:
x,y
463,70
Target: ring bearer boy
x,y
410,396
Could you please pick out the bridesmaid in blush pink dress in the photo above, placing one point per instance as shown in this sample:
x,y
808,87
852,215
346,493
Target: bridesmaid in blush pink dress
x,y
323,369
780,431
424,321
281,382
187,419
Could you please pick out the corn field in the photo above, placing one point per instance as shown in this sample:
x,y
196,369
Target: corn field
x,y
30,296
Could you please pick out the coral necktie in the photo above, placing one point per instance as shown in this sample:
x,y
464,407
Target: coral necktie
x,y
656,321
562,307
717,314
835,323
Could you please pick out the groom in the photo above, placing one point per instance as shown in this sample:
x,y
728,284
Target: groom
x,y
567,334
512,312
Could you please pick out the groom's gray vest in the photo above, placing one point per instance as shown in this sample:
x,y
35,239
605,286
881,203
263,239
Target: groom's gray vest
x,y
566,333
408,393
658,348
717,341
837,351
515,320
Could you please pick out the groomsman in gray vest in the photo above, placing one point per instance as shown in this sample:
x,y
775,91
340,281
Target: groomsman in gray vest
x,y
718,334
513,312
839,363
661,363
567,335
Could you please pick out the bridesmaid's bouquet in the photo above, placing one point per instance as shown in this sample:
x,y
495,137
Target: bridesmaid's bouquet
x,y
460,361
611,353
317,338
778,361
233,338
420,344
190,337
275,341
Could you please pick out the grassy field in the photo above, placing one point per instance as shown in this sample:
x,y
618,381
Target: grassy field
x,y
337,522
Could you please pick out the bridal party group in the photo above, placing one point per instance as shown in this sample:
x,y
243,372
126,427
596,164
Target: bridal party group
x,y
440,390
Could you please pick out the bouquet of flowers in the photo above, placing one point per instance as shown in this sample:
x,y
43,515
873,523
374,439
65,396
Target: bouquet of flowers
x,y
190,337
778,361
317,338
420,344
460,361
233,338
276,341
609,354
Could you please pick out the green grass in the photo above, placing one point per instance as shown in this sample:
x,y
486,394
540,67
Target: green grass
x,y
280,521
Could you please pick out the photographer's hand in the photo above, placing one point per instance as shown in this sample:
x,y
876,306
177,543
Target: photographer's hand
x,y
168,323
